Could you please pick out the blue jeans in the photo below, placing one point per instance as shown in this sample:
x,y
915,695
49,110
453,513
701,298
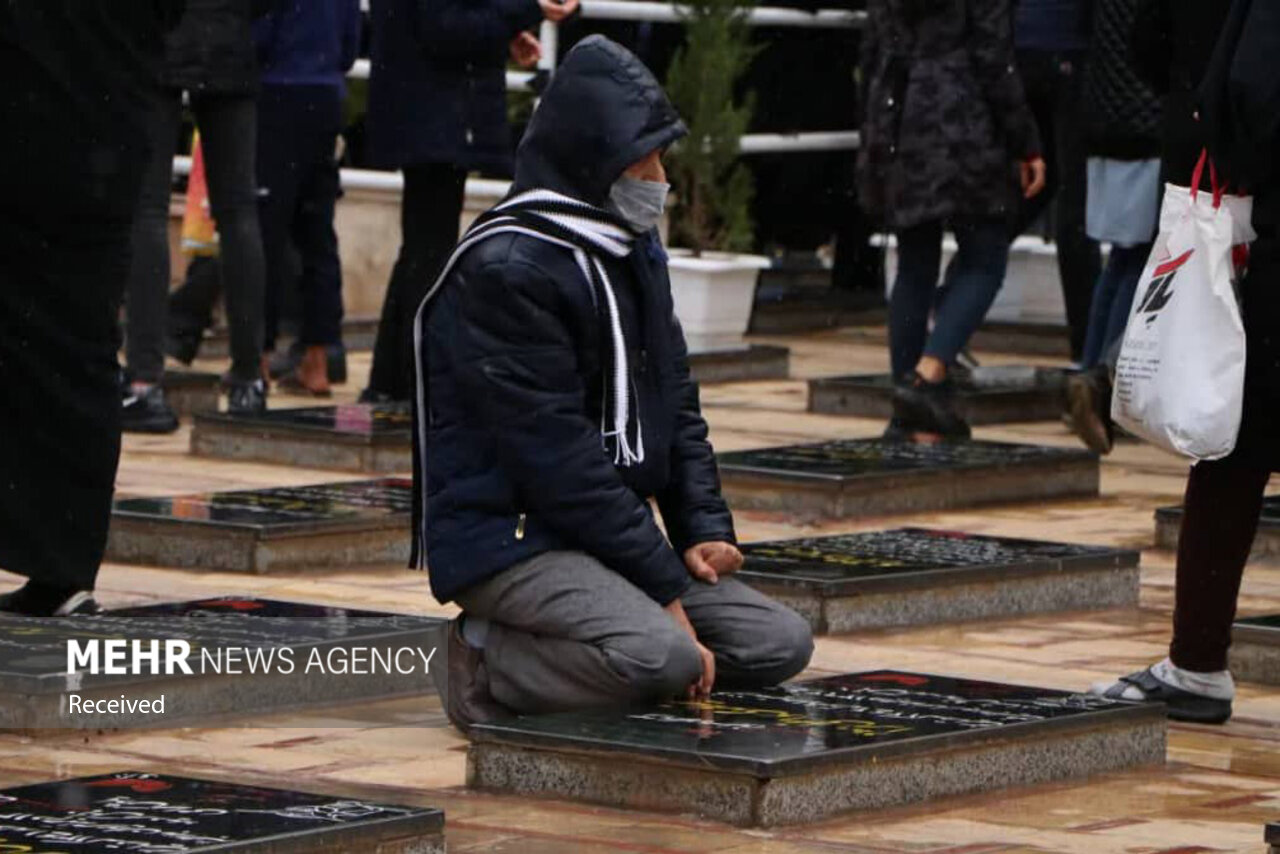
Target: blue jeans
x,y
1112,301
973,280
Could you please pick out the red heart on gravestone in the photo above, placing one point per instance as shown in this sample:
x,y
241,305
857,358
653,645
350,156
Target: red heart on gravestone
x,y
141,787
233,604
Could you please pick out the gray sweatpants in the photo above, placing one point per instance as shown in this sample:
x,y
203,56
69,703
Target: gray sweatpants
x,y
566,632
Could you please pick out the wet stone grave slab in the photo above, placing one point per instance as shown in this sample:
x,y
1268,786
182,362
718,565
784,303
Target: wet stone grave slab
x,y
241,656
1255,649
189,392
131,811
263,530
914,576
739,364
995,395
871,477
1266,544
361,437
807,750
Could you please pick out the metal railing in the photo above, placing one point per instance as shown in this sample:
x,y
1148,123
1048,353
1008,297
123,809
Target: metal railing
x,y
636,10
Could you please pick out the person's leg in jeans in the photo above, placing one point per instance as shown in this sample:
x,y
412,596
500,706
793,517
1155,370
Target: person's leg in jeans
x,y
980,266
429,220
911,302
228,131
1130,261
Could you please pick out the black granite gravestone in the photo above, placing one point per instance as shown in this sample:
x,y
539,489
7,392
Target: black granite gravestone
x,y
997,395
131,811
1022,337
913,576
1266,545
806,750
1255,649
245,656
260,530
866,477
738,364
351,437
189,392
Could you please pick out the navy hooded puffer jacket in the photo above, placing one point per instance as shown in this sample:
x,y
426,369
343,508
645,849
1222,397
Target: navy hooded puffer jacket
x,y
513,354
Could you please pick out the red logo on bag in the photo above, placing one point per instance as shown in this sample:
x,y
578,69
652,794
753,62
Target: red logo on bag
x,y
1160,291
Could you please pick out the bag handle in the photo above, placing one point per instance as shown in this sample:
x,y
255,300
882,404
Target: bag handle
x,y
1198,175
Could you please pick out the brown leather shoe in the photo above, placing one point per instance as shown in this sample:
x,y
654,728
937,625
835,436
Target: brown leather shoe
x,y
312,374
464,686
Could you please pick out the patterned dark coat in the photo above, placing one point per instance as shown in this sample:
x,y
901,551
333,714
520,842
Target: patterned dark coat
x,y
945,118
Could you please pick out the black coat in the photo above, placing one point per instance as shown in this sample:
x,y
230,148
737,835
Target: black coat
x,y
212,50
1240,108
1173,41
438,91
946,118
1122,112
515,459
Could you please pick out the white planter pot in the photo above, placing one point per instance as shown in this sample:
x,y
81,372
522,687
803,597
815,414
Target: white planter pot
x,y
714,294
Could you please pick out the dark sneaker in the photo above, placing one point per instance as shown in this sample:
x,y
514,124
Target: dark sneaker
x,y
147,411
1181,705
1089,408
247,398
34,600
930,407
463,685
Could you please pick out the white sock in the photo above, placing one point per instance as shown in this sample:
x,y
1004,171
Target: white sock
x,y
475,631
1217,685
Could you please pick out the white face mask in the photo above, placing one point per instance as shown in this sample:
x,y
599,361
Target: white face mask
x,y
641,203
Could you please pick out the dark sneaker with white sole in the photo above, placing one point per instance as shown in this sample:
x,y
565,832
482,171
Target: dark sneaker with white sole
x,y
246,398
1181,705
147,411
35,600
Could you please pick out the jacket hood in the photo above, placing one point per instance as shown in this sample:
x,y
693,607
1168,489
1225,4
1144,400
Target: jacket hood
x,y
603,111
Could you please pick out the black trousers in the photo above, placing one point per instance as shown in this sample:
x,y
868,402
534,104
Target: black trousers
x,y
429,214
1053,82
298,178
1223,502
61,282
228,131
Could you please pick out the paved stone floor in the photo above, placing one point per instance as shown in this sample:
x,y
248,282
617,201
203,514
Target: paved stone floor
x,y
1219,788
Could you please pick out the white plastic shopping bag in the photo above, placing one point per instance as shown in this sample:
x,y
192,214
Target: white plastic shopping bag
x,y
1180,377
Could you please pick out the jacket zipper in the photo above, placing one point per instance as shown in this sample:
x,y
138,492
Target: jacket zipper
x,y
520,526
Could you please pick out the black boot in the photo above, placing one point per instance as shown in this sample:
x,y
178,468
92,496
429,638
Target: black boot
x,y
35,599
929,408
147,411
